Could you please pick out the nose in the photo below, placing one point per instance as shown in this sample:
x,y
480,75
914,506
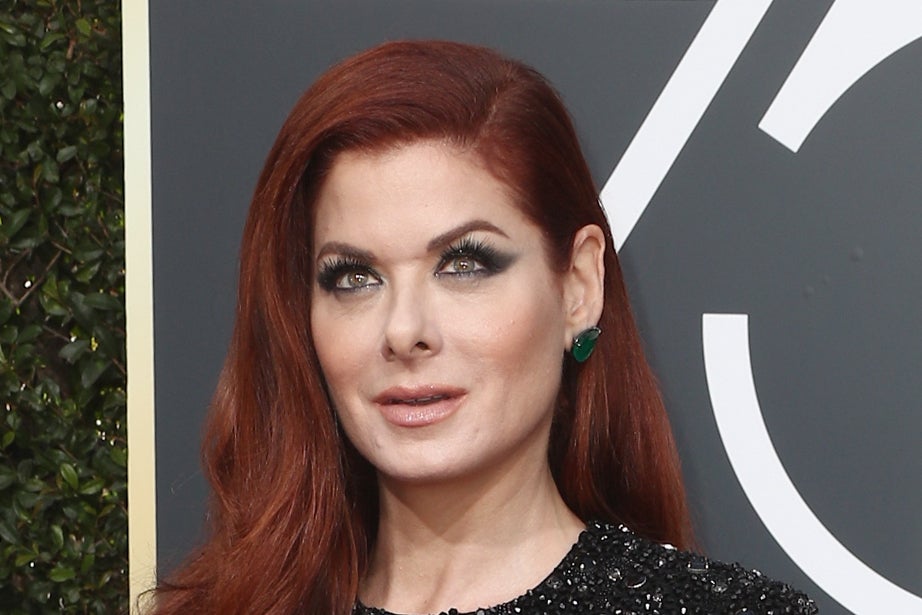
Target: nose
x,y
411,330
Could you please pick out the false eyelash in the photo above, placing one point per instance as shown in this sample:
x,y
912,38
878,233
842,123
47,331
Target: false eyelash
x,y
330,271
492,259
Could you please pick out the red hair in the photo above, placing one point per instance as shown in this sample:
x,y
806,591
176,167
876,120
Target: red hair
x,y
293,512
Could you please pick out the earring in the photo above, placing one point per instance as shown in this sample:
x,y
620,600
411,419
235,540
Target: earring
x,y
584,343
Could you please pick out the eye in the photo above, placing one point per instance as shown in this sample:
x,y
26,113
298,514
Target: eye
x,y
345,275
356,279
461,265
472,258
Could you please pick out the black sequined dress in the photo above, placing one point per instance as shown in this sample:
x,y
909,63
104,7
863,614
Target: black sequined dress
x,y
610,570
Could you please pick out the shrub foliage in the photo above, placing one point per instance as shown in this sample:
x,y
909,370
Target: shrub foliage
x,y
63,520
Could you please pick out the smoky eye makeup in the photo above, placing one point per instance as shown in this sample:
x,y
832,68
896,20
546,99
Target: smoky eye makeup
x,y
467,257
346,274
473,257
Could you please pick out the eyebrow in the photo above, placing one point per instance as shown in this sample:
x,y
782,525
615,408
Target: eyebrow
x,y
350,251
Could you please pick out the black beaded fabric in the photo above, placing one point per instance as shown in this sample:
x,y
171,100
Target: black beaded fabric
x,y
612,571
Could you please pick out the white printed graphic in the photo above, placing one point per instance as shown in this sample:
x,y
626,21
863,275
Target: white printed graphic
x,y
776,500
855,36
677,111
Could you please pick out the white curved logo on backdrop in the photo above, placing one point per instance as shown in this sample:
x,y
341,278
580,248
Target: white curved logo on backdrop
x,y
854,36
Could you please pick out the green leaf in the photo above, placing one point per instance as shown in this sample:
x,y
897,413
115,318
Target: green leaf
x,y
92,371
24,354
93,486
108,341
8,334
57,536
87,272
7,475
14,222
6,309
50,172
102,301
34,149
83,26
119,456
8,439
66,153
71,210
27,500
34,485
50,39
87,563
52,306
72,595
87,251
8,533
74,350
61,573
28,333
17,39
46,84
14,421
69,474
23,558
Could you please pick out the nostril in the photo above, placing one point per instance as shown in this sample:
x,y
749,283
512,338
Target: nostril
x,y
422,345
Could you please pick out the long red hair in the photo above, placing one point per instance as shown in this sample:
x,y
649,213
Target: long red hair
x,y
293,511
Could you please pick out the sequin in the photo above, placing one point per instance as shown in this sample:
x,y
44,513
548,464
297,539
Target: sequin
x,y
610,570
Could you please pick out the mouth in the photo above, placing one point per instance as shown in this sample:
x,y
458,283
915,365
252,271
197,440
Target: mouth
x,y
415,401
418,406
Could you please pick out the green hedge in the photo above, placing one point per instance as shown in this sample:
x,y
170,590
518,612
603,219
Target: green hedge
x,y
63,517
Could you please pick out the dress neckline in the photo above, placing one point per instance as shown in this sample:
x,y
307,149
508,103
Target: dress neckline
x,y
548,584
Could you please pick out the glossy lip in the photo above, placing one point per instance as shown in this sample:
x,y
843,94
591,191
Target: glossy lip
x,y
418,406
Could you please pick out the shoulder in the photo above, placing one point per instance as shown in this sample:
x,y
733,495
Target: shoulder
x,y
612,568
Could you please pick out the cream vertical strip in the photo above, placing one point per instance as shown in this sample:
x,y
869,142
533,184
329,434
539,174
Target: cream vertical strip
x,y
142,519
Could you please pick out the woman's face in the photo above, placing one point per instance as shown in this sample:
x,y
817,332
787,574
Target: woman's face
x,y
439,324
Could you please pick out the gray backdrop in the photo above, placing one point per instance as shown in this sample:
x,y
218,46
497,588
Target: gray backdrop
x,y
818,247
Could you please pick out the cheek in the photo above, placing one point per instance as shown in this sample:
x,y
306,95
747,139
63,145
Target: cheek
x,y
518,333
342,345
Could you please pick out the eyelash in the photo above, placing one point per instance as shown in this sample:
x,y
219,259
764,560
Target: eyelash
x,y
483,254
489,260
332,271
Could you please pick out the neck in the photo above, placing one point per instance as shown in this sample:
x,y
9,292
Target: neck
x,y
470,542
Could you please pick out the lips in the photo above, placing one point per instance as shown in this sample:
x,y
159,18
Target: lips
x,y
418,406
415,401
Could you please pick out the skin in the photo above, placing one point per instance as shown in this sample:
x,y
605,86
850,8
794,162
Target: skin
x,y
443,360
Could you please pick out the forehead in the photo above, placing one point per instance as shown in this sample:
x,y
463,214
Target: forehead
x,y
411,191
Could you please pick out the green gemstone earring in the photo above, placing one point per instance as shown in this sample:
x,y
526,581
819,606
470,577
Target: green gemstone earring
x,y
584,343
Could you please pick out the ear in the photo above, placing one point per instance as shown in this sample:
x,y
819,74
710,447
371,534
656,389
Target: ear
x,y
584,282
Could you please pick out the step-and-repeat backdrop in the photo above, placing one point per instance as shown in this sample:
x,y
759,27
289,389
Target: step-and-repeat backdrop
x,y
761,163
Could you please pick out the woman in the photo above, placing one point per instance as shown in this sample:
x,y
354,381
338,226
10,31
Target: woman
x,y
409,417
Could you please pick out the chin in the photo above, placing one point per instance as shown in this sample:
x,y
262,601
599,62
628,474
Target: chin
x,y
427,472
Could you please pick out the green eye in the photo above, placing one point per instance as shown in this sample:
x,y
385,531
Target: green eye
x,y
356,279
471,257
347,275
461,265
